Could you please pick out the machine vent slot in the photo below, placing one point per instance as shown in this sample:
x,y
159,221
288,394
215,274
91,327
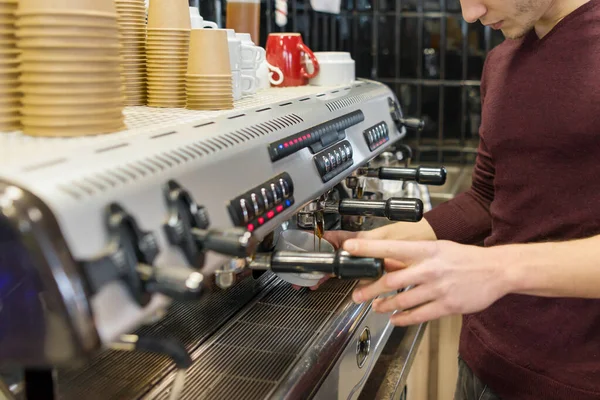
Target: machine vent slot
x,y
285,104
205,124
116,146
263,109
231,136
70,191
44,165
106,180
180,155
117,176
161,162
304,99
160,135
346,102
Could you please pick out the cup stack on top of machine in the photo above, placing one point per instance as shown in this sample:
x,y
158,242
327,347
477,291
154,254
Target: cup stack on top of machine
x,y
208,81
9,72
132,27
167,46
70,67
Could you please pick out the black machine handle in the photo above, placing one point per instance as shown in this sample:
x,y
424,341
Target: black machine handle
x,y
413,123
422,175
235,242
408,210
178,283
339,264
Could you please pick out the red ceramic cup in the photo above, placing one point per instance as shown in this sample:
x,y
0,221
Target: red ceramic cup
x,y
286,57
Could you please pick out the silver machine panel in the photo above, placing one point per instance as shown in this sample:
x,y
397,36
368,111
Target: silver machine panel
x,y
68,300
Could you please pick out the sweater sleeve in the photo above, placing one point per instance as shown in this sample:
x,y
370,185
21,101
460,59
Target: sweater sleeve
x,y
466,218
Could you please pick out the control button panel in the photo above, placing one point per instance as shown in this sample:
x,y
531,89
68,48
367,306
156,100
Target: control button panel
x,y
376,136
316,138
262,203
334,160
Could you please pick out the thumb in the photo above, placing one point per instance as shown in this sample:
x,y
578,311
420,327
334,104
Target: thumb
x,y
407,252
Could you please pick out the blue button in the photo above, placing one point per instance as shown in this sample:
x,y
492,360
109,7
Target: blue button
x,y
288,203
281,146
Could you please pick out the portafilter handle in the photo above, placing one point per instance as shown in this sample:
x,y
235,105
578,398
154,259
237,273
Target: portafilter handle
x,y
339,264
234,242
422,175
394,209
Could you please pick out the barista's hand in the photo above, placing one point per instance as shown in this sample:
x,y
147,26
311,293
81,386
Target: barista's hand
x,y
449,279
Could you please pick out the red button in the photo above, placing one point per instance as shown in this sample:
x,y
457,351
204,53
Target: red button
x,y
261,221
270,214
250,227
279,208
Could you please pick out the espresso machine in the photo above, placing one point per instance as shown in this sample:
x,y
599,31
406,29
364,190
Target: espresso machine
x,y
144,264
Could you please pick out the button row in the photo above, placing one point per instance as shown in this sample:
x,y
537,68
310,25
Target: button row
x,y
263,202
377,135
334,160
309,137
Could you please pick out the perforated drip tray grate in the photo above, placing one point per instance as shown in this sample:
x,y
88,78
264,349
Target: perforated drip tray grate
x,y
236,349
128,375
252,355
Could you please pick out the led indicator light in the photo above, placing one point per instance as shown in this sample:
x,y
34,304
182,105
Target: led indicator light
x,y
261,221
270,214
295,140
281,146
250,227
308,135
279,208
288,203
291,142
285,145
304,137
299,139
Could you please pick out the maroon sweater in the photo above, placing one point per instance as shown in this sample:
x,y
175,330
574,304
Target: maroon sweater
x,y
537,179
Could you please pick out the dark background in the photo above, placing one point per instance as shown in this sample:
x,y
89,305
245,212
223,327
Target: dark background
x,y
422,49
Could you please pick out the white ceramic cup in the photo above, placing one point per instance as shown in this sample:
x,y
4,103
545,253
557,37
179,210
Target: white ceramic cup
x,y
262,75
252,55
336,68
198,22
249,81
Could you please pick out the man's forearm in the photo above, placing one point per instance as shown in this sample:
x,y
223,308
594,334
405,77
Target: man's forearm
x,y
402,231
565,269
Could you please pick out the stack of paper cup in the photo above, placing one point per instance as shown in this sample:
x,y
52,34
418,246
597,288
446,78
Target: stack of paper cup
x,y
9,72
167,46
208,83
70,67
132,27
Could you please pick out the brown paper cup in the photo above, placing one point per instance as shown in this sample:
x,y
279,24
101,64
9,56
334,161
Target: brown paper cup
x,y
168,32
67,31
71,6
43,21
169,14
107,100
211,42
49,42
76,67
72,88
70,78
113,113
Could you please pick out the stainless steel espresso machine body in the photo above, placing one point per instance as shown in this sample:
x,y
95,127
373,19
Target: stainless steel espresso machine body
x,y
156,230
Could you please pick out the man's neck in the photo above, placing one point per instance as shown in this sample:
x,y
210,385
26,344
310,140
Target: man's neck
x,y
557,11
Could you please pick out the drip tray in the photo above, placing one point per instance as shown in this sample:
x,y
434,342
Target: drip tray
x,y
243,340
